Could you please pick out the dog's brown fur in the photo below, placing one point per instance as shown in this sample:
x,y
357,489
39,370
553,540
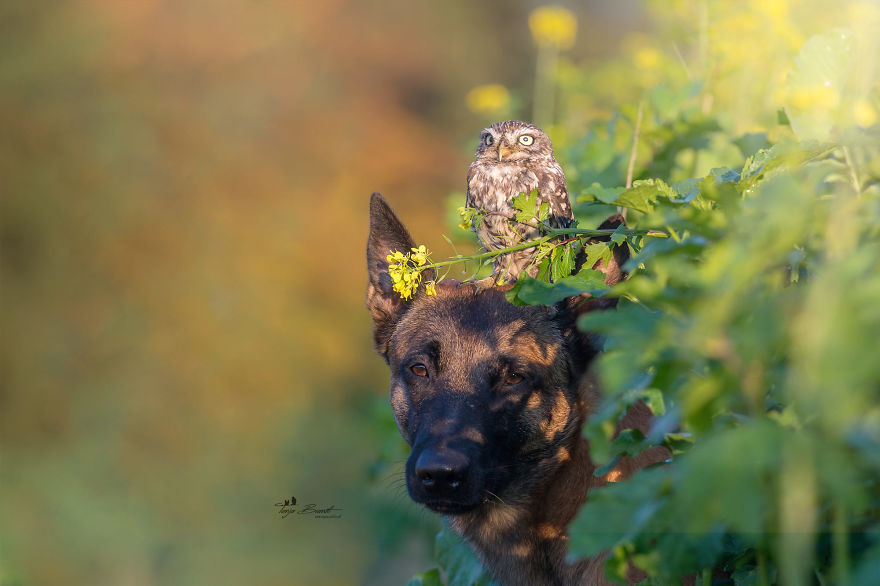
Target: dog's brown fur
x,y
495,418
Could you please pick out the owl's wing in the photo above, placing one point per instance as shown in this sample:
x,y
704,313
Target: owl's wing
x,y
553,189
469,199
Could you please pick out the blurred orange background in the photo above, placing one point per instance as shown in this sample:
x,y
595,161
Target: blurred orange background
x,y
184,213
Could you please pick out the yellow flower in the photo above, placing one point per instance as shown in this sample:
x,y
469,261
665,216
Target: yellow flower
x,y
647,58
470,217
420,255
464,224
553,26
488,99
430,288
864,113
775,10
405,271
395,256
403,289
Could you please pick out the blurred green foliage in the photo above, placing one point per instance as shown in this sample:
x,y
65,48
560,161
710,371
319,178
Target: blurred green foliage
x,y
752,329
183,210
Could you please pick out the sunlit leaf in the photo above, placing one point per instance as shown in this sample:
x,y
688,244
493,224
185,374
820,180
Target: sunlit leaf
x,y
531,291
429,578
527,206
603,194
617,512
817,86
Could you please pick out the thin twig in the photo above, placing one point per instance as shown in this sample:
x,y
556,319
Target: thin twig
x,y
632,155
684,64
628,232
853,172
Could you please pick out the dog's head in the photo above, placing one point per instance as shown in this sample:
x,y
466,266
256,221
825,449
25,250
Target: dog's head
x,y
488,395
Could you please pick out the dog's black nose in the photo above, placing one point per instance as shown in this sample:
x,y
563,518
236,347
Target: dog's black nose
x,y
441,472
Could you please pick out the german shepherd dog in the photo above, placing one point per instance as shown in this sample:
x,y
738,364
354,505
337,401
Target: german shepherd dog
x,y
492,397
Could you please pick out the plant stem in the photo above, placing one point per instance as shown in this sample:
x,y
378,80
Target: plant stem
x,y
703,52
706,578
631,232
545,80
840,544
553,233
763,576
632,154
853,172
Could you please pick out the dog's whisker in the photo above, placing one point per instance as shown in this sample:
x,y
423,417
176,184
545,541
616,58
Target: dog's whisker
x,y
495,496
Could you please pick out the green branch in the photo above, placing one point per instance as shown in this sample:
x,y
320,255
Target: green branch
x,y
406,268
580,233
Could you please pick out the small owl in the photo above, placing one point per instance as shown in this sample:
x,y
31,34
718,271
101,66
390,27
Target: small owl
x,y
514,157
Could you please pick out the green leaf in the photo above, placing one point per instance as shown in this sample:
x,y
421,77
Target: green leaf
x,y
866,572
599,434
653,398
544,211
751,142
678,443
818,84
527,206
529,291
630,442
562,261
596,252
643,194
458,561
430,578
778,158
782,118
665,246
733,489
724,175
617,512
603,194
687,190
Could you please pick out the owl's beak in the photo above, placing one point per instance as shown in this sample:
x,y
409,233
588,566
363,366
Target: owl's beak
x,y
504,151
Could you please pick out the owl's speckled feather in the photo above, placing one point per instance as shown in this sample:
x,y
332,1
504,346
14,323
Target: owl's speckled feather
x,y
507,165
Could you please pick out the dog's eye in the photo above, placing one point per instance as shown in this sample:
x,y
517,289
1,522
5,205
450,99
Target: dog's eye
x,y
419,369
513,378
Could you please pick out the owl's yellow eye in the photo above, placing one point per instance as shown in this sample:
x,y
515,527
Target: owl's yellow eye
x,y
526,139
488,140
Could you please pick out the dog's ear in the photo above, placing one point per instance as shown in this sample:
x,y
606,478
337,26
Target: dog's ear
x,y
583,346
387,234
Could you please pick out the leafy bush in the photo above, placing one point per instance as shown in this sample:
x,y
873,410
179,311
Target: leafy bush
x,y
753,329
